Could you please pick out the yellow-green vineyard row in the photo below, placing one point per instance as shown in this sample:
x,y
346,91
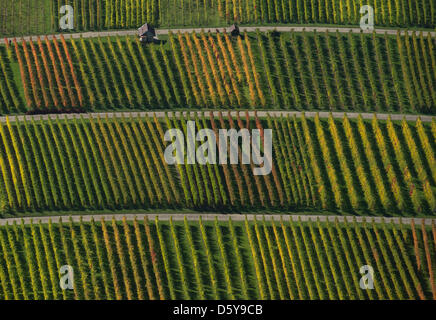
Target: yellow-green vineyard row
x,y
369,167
42,16
217,260
303,71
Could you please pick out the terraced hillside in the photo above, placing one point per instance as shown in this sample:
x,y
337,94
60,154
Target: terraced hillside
x,y
376,167
297,71
42,16
191,199
217,260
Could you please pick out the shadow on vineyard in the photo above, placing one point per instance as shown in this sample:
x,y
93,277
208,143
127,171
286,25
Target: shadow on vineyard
x,y
56,111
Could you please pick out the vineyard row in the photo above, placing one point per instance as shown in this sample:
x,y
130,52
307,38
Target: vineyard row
x,y
351,166
110,14
308,71
24,17
217,260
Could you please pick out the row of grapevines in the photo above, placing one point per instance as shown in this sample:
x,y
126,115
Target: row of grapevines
x,y
275,260
202,70
100,163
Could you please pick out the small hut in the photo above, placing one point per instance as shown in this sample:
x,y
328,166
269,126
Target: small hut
x,y
234,30
146,33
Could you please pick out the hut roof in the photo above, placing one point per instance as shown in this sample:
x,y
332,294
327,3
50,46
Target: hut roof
x,y
146,28
234,29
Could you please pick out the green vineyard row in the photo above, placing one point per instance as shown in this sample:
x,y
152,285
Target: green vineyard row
x,y
373,167
217,260
42,16
297,71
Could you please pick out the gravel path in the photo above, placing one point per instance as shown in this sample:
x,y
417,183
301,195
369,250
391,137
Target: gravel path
x,y
220,217
161,114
